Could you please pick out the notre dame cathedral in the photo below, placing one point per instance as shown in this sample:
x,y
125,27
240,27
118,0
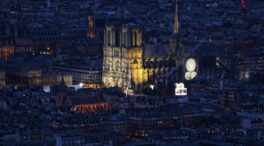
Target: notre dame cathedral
x,y
127,65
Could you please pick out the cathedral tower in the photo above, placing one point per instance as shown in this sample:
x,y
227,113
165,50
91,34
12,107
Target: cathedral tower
x,y
174,41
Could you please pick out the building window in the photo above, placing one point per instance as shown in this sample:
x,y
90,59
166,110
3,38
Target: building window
x,y
117,38
135,35
117,65
125,39
131,39
108,37
116,54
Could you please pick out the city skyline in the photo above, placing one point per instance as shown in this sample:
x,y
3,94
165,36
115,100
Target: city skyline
x,y
131,72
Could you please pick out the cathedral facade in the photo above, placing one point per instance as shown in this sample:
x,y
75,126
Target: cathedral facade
x,y
123,52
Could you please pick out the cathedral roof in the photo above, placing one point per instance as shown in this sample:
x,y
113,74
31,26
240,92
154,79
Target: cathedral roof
x,y
157,50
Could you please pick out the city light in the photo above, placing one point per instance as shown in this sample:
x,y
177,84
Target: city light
x,y
190,64
46,89
81,85
180,89
151,87
191,67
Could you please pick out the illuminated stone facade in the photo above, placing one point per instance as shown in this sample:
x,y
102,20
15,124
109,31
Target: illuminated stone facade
x,y
123,55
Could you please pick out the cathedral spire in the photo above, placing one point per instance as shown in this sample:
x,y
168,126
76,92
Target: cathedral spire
x,y
176,19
